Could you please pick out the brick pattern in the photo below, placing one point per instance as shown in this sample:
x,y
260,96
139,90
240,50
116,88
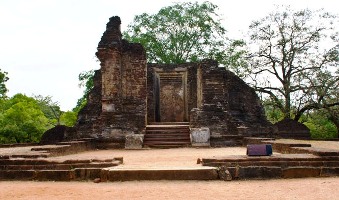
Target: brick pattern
x,y
117,105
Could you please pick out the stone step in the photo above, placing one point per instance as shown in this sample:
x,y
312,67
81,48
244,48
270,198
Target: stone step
x,y
167,139
167,135
160,173
166,146
169,123
150,131
77,174
172,141
167,143
42,155
167,127
4,162
59,166
283,164
268,172
274,157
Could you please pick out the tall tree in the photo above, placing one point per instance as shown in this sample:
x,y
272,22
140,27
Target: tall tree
x,y
292,52
3,79
53,112
50,108
180,33
21,120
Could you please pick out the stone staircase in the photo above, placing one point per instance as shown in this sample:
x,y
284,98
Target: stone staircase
x,y
167,135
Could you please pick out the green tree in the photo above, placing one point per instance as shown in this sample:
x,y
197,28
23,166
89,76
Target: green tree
x,y
50,109
320,126
323,96
3,80
272,113
54,113
235,58
68,118
85,81
22,120
180,33
294,50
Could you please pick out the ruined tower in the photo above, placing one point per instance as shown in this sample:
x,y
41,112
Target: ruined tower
x,y
121,83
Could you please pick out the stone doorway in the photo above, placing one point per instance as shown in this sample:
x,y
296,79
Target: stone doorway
x,y
171,96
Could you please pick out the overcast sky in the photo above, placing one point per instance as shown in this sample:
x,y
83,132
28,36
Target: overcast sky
x,y
45,44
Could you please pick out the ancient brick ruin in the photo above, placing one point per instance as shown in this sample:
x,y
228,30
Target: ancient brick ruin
x,y
130,94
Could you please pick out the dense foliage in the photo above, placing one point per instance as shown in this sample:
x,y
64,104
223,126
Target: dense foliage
x,y
24,119
21,120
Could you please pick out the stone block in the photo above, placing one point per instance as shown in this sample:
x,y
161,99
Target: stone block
x,y
17,174
111,133
200,137
87,173
160,173
108,107
329,171
134,141
55,175
258,172
301,172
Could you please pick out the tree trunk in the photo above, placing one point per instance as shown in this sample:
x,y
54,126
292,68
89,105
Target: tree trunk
x,y
287,108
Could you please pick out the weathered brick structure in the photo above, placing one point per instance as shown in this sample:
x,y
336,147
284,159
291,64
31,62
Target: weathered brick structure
x,y
117,105
128,94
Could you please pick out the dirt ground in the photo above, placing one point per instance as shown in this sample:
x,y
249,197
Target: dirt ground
x,y
310,188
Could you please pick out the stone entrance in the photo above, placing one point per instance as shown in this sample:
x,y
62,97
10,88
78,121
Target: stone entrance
x,y
170,96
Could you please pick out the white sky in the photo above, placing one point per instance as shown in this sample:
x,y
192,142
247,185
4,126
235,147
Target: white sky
x,y
45,44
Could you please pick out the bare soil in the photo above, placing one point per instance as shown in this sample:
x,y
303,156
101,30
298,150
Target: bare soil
x,y
314,188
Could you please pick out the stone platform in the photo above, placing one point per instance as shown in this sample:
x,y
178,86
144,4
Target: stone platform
x,y
295,159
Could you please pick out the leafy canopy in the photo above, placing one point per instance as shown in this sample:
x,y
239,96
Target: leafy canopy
x,y
180,33
21,120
